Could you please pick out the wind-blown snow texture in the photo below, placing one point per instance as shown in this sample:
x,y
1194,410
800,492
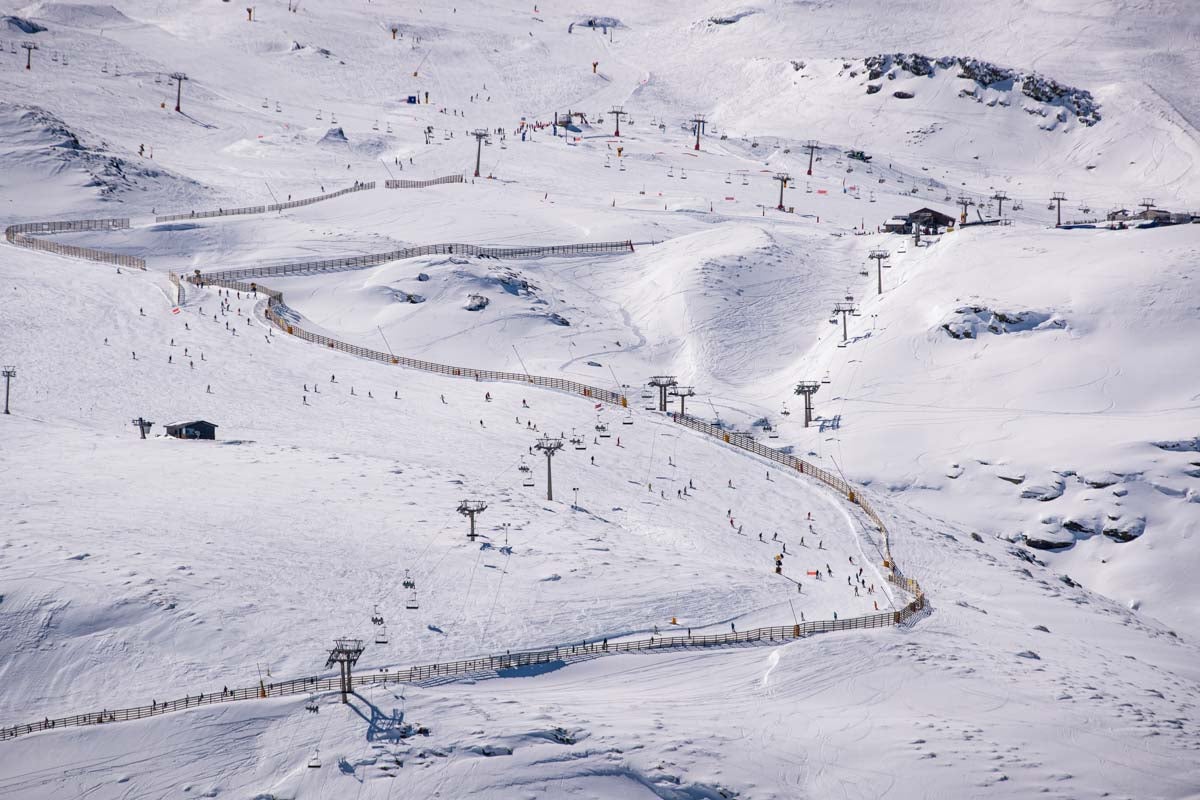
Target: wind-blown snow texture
x,y
1020,403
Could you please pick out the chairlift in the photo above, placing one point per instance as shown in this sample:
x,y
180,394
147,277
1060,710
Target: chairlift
x,y
607,165
628,418
671,172
54,57
411,604
771,431
728,178
103,69
807,188
376,617
864,272
375,127
825,379
389,130
1017,206
332,118
278,108
872,197
318,113
785,411
315,761
682,174
381,636
408,583
265,103
579,443
620,164
602,429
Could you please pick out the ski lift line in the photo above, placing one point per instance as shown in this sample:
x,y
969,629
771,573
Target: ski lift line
x,y
446,526
462,613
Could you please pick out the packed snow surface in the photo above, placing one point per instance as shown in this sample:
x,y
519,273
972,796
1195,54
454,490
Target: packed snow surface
x,y
1019,403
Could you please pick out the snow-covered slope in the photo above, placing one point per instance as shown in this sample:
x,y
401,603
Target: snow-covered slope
x,y
1019,402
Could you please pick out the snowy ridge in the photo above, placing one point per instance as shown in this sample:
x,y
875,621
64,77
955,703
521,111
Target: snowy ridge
x,y
492,665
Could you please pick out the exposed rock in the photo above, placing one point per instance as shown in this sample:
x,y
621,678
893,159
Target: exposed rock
x,y
476,302
967,322
872,88
903,95
1125,530
1029,654
1045,490
976,537
1041,628
421,276
23,25
559,319
1068,99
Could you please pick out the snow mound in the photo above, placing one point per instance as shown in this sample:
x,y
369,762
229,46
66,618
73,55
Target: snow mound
x,y
83,15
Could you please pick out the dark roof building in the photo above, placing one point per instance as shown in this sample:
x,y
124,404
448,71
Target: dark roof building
x,y
199,429
928,218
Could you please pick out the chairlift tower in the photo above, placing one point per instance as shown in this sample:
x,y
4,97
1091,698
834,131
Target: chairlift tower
x,y
1146,204
698,121
1000,197
144,425
964,201
549,445
29,48
9,374
179,78
783,179
618,112
845,309
808,389
1057,199
345,653
663,383
480,134
683,392
471,509
812,148
878,256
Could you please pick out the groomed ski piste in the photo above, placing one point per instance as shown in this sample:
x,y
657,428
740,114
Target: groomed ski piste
x,y
1011,422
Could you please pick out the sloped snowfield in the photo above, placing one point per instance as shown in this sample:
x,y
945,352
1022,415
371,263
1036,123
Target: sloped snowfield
x,y
1019,403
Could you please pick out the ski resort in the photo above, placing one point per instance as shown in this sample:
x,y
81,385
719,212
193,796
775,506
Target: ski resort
x,y
528,400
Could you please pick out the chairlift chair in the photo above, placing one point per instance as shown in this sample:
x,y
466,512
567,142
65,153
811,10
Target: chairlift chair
x,y
411,604
602,429
381,636
682,174
278,108
628,418
671,172
620,164
375,126
745,180
785,411
266,103
408,582
318,113
315,761
729,178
